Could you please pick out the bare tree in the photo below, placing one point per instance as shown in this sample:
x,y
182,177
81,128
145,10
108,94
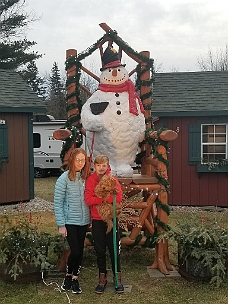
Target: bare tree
x,y
214,61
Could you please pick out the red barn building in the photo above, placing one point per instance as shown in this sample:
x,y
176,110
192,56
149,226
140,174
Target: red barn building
x,y
17,105
195,104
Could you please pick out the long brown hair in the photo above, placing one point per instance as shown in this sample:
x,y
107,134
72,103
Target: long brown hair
x,y
71,164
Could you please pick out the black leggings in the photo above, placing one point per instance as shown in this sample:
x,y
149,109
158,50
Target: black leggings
x,y
101,240
75,238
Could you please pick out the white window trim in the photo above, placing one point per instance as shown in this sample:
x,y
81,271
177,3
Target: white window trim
x,y
202,144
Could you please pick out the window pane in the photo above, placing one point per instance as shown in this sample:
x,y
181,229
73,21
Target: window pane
x,y
220,149
208,149
208,129
220,156
220,138
36,140
220,129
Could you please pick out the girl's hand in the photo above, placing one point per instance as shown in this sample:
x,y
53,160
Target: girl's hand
x,y
63,231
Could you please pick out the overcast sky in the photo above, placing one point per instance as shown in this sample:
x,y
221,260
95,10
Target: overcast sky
x,y
176,32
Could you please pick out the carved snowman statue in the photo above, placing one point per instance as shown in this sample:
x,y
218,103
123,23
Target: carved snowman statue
x,y
113,117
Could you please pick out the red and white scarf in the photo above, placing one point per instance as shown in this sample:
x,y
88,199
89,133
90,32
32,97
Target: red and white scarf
x,y
129,87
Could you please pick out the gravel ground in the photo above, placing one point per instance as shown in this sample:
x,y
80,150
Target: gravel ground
x,y
40,205
35,205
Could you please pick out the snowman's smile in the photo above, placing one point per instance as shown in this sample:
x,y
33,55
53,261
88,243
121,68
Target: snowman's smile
x,y
111,80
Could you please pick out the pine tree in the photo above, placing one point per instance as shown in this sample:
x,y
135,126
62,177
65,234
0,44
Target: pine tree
x,y
57,95
31,76
13,23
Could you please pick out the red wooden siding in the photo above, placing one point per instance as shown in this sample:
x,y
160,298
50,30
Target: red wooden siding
x,y
14,176
189,188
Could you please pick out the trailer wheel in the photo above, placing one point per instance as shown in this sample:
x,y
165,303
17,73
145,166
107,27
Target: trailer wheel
x,y
38,172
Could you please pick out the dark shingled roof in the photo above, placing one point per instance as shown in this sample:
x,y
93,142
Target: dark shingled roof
x,y
190,93
16,95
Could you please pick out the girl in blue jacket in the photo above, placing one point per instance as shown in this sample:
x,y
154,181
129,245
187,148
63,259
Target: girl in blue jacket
x,y
72,214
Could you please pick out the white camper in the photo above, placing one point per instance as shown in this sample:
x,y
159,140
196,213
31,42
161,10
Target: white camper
x,y
46,148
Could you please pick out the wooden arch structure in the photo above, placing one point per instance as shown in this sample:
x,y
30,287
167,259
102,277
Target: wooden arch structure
x,y
153,210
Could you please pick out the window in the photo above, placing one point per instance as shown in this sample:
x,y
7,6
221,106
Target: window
x,y
208,145
36,140
214,143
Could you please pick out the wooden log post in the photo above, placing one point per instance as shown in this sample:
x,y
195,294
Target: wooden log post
x,y
161,261
73,111
71,88
146,75
144,213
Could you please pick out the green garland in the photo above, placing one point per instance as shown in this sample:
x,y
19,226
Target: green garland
x,y
154,144
164,207
162,181
76,60
151,240
162,224
72,106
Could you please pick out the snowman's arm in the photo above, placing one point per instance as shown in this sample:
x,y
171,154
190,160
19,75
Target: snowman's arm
x,y
90,121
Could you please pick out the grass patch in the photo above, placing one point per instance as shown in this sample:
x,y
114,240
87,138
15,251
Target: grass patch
x,y
44,187
134,262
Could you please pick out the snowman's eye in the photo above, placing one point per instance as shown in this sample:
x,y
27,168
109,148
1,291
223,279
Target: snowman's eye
x,y
110,70
118,70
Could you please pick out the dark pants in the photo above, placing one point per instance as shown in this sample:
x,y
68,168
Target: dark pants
x,y
101,240
75,238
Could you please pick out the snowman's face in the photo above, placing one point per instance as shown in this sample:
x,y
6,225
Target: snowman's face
x,y
114,76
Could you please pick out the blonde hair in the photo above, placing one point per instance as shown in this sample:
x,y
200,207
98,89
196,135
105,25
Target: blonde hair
x,y
100,159
71,164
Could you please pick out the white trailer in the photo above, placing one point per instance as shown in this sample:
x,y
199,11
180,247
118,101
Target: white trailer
x,y
46,148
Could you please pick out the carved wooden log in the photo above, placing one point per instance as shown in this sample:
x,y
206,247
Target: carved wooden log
x,y
149,227
127,241
71,88
136,230
90,74
150,160
146,187
161,261
106,28
166,135
131,193
62,134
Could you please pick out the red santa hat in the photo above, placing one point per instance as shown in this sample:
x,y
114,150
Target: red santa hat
x,y
110,59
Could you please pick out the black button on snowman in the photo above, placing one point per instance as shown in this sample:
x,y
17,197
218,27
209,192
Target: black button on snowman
x,y
114,126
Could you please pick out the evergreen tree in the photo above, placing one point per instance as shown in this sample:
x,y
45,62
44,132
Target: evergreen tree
x,y
13,22
31,76
57,95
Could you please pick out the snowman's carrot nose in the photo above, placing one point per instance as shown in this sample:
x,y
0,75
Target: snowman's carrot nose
x,y
114,72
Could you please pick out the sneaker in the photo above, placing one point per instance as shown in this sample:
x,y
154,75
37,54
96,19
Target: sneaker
x,y
102,283
119,288
67,283
75,286
100,288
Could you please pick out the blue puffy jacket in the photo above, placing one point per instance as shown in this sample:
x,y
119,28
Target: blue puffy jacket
x,y
69,203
